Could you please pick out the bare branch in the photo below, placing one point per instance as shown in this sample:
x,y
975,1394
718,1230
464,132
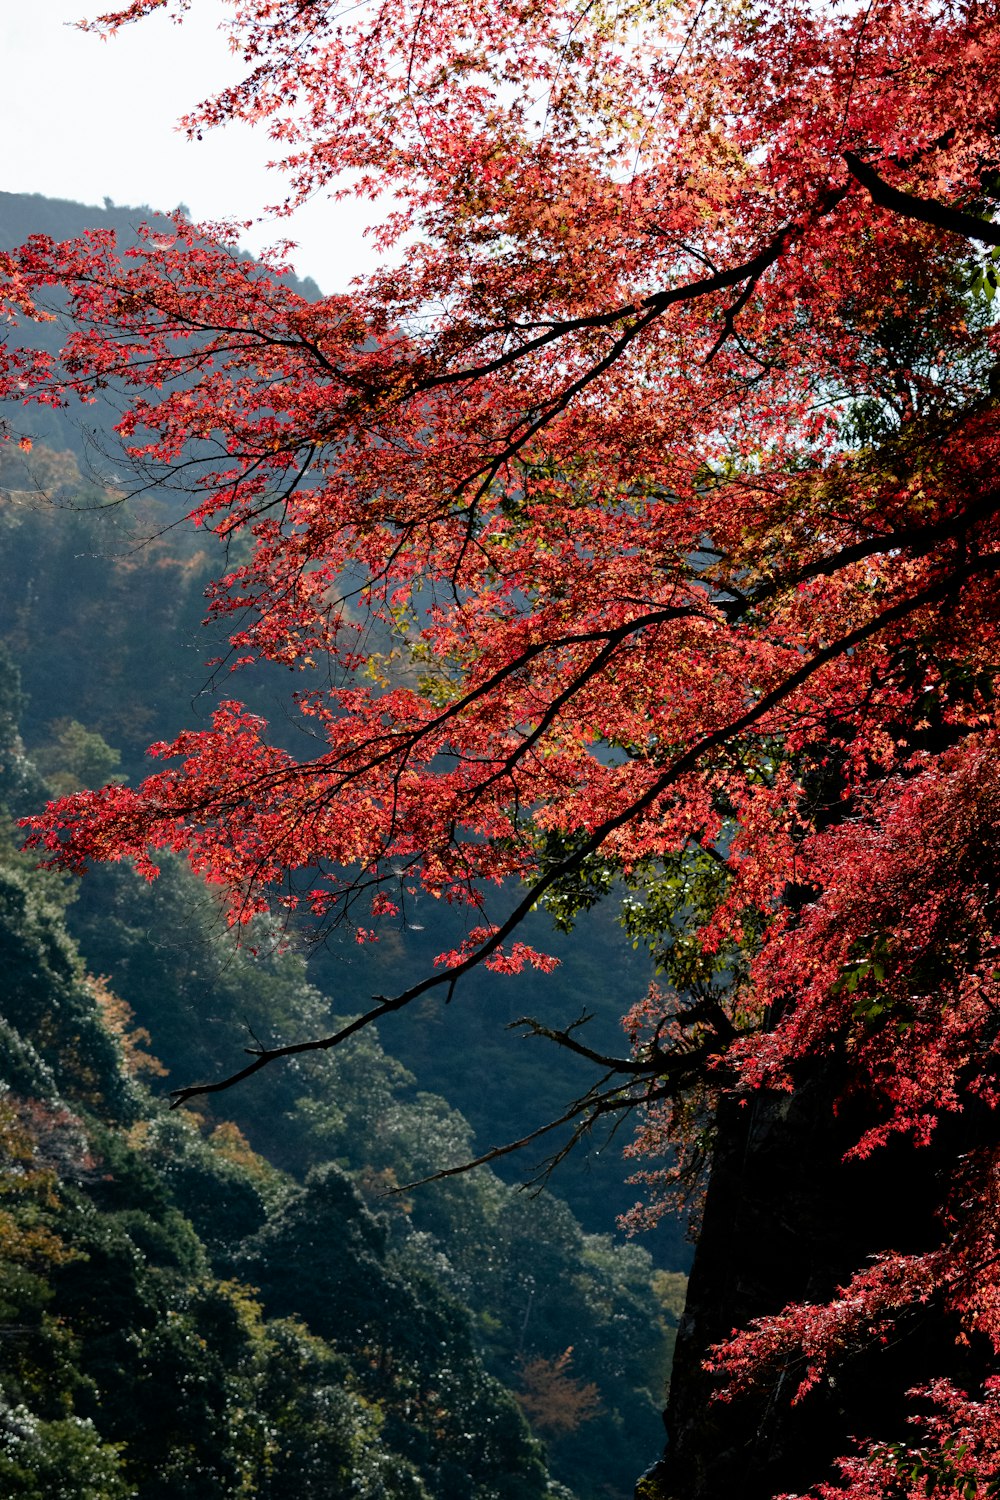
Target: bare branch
x,y
593,1103
565,1039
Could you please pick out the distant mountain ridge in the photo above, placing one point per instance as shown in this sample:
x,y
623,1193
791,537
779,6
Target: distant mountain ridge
x,y
82,430
24,214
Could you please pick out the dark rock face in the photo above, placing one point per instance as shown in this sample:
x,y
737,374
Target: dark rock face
x,y
787,1220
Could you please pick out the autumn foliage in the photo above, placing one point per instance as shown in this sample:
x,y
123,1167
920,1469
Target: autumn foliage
x,y
553,1401
638,518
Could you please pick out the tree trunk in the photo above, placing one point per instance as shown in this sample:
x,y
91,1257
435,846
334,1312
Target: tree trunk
x,y
787,1220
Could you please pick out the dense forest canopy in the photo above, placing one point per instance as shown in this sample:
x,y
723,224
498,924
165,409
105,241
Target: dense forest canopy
x,y
233,1300
642,524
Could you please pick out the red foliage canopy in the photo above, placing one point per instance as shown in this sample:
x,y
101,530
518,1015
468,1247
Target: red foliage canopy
x,y
661,459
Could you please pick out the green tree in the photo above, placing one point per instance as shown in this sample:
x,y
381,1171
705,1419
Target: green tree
x,y
58,1460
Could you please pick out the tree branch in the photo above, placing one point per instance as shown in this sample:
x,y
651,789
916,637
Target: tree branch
x,y
925,210
673,773
593,1104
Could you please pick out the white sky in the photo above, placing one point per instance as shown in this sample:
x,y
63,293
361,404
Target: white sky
x,y
86,119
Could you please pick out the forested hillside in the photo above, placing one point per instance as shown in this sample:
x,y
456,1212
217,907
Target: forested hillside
x,y
183,1309
103,610
325,1332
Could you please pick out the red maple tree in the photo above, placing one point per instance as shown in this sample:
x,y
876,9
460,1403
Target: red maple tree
x,y
661,455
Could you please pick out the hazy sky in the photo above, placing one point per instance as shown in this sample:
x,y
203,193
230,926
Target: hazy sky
x,y
87,119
